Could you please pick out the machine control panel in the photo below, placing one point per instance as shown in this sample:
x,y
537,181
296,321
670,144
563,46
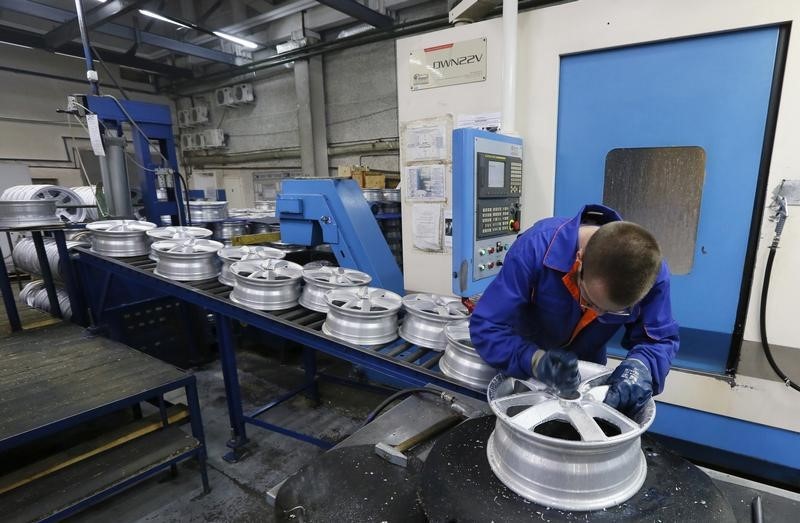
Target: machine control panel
x,y
487,186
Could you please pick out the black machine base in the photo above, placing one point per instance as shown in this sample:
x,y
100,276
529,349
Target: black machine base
x,y
458,485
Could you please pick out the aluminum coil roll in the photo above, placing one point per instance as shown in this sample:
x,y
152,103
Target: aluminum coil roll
x,y
24,255
61,196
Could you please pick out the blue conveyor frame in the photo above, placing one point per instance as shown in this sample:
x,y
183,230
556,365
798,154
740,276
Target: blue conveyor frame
x,y
108,283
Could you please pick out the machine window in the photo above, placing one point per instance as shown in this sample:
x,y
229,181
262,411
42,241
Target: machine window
x,y
660,188
497,174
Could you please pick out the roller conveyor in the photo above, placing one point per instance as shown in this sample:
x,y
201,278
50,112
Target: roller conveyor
x,y
400,362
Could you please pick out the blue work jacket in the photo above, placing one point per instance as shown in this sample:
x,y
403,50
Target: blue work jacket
x,y
528,307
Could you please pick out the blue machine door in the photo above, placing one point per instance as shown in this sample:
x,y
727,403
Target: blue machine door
x,y
665,110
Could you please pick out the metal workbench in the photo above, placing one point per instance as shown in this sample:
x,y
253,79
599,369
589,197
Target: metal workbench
x,y
56,378
111,283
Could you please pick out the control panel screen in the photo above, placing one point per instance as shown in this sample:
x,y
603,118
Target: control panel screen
x,y
497,175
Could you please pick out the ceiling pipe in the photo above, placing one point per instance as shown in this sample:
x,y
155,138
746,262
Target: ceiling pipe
x,y
91,74
290,152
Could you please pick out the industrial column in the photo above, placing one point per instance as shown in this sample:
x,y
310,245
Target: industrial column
x,y
310,89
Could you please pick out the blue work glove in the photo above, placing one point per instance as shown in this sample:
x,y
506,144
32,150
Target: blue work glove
x,y
631,386
558,369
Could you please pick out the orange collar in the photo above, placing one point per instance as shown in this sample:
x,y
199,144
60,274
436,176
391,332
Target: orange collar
x,y
570,280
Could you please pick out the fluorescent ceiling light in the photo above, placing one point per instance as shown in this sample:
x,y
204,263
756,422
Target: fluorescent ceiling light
x,y
16,45
236,40
157,16
70,55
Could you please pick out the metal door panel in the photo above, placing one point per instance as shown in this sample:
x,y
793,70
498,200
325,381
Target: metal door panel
x,y
711,92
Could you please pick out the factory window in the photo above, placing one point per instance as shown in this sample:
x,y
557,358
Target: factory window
x,y
44,181
661,189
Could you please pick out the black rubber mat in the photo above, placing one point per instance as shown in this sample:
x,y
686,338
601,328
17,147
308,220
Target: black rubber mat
x,y
459,486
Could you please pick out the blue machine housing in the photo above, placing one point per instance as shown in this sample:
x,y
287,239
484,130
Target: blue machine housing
x,y
464,208
334,211
155,120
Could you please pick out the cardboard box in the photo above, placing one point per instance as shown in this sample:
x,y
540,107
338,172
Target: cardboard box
x,y
363,176
374,181
350,171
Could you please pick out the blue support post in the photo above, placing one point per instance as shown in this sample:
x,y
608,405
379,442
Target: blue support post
x,y
227,358
197,430
8,297
310,368
47,274
70,278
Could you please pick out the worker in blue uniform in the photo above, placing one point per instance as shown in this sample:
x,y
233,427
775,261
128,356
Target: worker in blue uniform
x,y
566,286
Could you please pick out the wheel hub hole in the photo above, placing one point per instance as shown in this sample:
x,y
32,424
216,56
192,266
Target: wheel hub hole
x,y
608,428
558,429
516,409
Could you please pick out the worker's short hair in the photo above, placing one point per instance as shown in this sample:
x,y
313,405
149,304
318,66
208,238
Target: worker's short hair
x,y
626,257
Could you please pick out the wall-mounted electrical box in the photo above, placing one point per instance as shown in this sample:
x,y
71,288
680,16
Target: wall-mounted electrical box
x,y
487,186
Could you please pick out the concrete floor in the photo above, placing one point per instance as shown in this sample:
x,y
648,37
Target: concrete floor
x,y
238,490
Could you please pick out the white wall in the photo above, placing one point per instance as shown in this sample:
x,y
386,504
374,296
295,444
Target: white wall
x,y
33,134
428,271
547,34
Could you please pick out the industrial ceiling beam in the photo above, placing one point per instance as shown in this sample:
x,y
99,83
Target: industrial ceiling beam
x,y
26,38
55,14
101,14
360,12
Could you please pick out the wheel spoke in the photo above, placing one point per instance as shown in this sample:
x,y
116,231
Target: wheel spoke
x,y
585,424
536,414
